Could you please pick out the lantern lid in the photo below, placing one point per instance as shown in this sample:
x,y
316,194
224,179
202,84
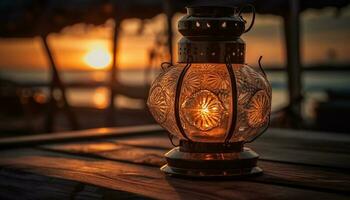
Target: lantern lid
x,y
211,34
210,11
211,23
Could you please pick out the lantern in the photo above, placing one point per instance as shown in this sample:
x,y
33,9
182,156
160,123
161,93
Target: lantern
x,y
211,100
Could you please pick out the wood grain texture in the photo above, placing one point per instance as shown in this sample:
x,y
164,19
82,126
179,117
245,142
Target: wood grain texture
x,y
296,165
307,147
112,151
146,181
15,184
298,147
293,175
83,135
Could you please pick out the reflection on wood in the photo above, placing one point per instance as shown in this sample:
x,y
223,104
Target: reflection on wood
x,y
129,162
275,172
13,142
148,181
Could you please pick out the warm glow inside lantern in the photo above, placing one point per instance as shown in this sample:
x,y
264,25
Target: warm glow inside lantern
x,y
211,100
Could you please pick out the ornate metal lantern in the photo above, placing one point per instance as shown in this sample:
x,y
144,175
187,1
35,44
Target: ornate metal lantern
x,y
211,100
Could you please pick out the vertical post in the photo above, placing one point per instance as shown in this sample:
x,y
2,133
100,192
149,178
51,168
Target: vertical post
x,y
56,82
169,16
113,75
292,37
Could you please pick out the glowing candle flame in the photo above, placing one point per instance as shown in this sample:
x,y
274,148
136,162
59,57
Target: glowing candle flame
x,y
204,110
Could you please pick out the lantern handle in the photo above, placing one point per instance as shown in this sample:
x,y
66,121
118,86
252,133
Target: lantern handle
x,y
177,98
261,68
253,18
171,137
165,65
269,121
234,98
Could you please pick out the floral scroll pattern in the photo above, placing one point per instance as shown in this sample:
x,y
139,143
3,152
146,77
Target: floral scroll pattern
x,y
254,103
161,98
257,112
206,101
203,110
158,104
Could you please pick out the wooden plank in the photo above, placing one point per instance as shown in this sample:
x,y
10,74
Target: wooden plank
x,y
308,140
25,141
318,141
306,147
111,151
315,178
15,184
299,147
147,181
22,185
275,173
160,141
301,156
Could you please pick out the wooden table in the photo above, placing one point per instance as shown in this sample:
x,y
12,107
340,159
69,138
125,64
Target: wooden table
x,y
123,163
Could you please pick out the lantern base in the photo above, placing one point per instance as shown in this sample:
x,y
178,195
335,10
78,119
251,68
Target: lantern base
x,y
234,164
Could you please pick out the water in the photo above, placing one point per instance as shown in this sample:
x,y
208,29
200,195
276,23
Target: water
x,y
315,84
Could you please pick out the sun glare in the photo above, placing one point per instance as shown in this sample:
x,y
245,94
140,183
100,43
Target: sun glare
x,y
98,58
100,98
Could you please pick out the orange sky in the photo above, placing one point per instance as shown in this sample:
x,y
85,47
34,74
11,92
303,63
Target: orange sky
x,y
72,46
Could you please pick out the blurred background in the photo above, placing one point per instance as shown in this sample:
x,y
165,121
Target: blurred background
x,y
79,64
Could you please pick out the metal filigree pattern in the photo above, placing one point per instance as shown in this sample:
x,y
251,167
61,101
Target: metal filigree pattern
x,y
210,82
216,81
192,82
203,110
158,104
258,109
206,100
167,80
206,76
254,103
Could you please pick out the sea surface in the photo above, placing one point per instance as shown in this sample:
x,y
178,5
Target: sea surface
x,y
314,86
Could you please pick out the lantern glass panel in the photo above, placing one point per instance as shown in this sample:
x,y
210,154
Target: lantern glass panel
x,y
207,105
253,103
205,102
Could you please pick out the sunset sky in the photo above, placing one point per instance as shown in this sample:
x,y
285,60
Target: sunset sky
x,y
86,47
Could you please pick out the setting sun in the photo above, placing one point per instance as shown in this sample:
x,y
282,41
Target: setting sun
x,y
98,58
